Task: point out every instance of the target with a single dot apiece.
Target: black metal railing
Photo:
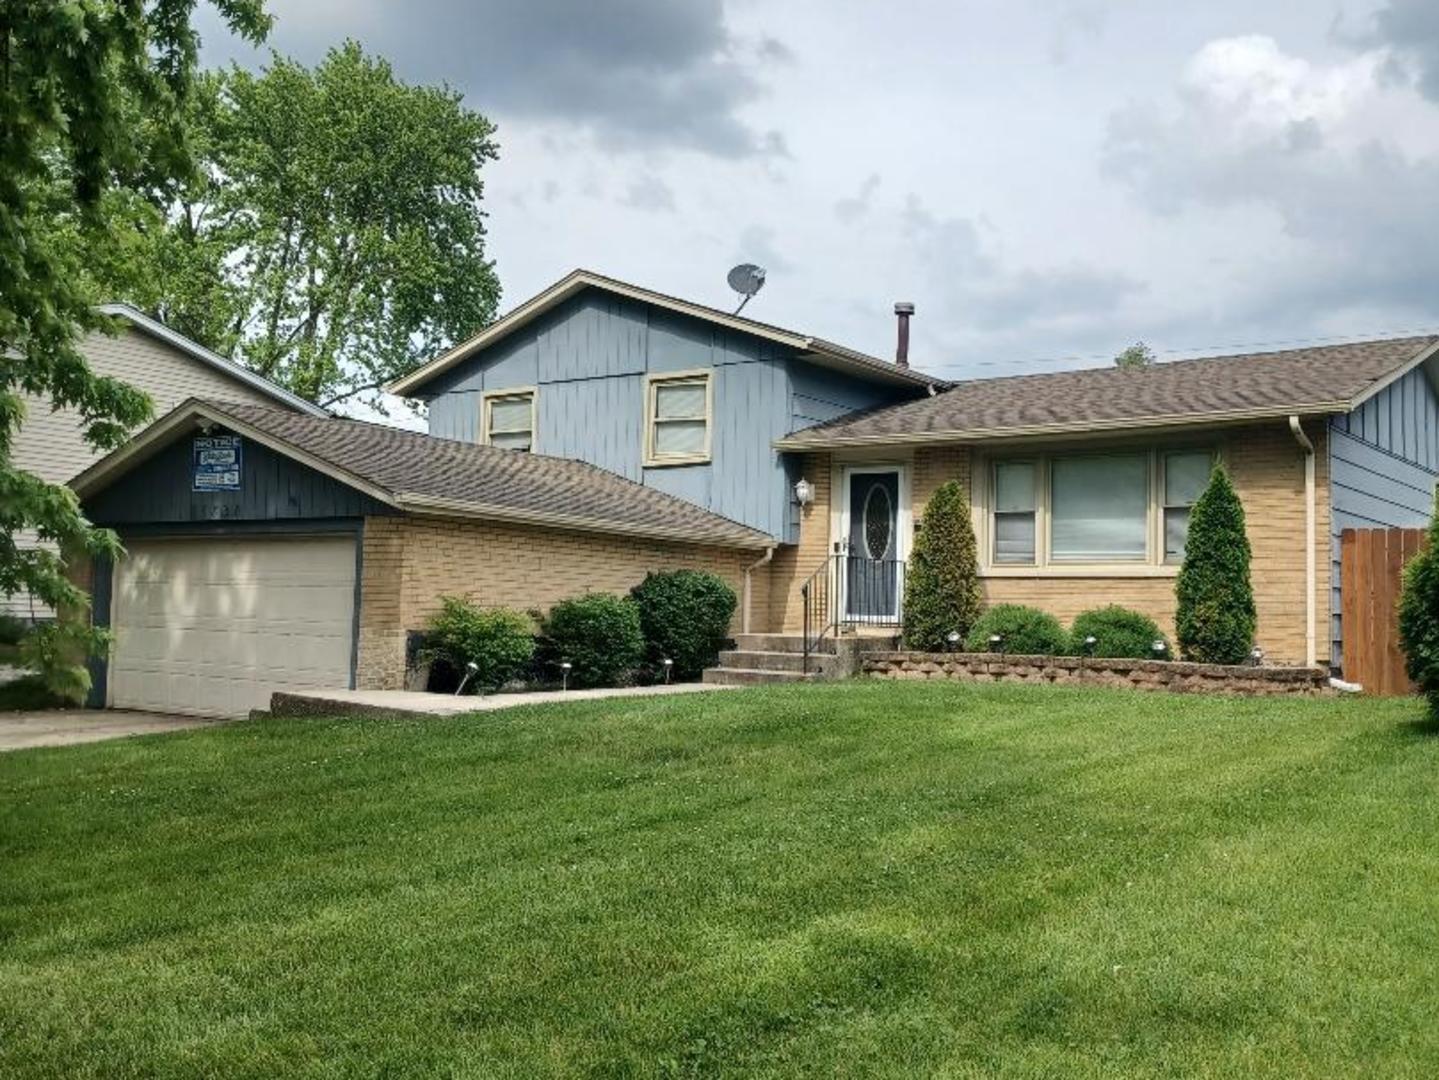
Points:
(847, 591)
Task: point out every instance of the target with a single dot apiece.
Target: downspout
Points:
(748, 570)
(1310, 575)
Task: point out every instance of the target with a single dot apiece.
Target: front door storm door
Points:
(872, 566)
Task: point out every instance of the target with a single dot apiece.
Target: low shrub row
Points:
(1112, 632)
(599, 639)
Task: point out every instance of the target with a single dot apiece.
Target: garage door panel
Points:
(214, 627)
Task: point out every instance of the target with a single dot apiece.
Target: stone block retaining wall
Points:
(1174, 676)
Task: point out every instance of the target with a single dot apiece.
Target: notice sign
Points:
(217, 463)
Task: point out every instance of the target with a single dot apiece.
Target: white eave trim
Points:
(196, 351)
(1177, 420)
(1422, 357)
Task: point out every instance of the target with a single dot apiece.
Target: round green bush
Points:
(686, 616)
(598, 635)
(1118, 632)
(1025, 631)
(500, 641)
(1419, 617)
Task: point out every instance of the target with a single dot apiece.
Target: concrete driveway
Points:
(64, 727)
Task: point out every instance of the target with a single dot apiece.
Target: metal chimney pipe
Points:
(903, 310)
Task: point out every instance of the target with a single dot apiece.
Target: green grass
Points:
(854, 879)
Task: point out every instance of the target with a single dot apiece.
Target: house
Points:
(600, 431)
(150, 356)
(325, 542)
(1081, 481)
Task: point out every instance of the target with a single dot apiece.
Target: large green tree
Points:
(334, 238)
(74, 77)
(941, 592)
(1215, 616)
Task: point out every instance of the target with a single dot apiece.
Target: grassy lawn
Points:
(854, 879)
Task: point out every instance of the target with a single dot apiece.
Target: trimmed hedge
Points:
(1215, 619)
(598, 635)
(500, 641)
(1118, 632)
(941, 592)
(685, 616)
(1419, 617)
(1024, 631)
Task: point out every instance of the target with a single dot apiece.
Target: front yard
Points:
(852, 879)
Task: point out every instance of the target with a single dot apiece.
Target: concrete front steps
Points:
(771, 658)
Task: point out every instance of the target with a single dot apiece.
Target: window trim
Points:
(489, 397)
(1152, 565)
(655, 380)
(1163, 505)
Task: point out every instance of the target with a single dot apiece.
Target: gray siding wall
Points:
(272, 488)
(588, 358)
(1384, 464)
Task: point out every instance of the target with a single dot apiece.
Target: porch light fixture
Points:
(471, 670)
(565, 666)
(803, 492)
(669, 666)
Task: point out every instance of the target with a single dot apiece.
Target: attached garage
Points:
(213, 626)
(267, 550)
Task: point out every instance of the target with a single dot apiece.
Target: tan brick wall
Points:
(1268, 472)
(409, 563)
(793, 563)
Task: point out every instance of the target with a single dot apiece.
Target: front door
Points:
(872, 566)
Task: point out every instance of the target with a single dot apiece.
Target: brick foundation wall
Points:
(1267, 468)
(409, 563)
(1075, 670)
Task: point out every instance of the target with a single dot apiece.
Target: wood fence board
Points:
(1371, 569)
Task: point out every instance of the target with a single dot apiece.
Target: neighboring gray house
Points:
(150, 356)
(671, 394)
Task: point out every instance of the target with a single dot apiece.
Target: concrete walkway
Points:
(65, 727)
(332, 702)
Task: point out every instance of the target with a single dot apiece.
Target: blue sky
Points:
(1047, 181)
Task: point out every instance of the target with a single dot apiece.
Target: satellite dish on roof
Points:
(746, 279)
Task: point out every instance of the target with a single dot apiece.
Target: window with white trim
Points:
(1186, 474)
(678, 419)
(509, 419)
(1093, 508)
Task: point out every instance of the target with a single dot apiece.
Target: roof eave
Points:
(1181, 420)
(432, 504)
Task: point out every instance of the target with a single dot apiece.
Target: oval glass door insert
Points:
(878, 524)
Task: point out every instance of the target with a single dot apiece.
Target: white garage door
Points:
(214, 626)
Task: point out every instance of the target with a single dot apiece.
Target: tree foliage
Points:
(74, 77)
(334, 237)
(1419, 616)
(941, 592)
(1134, 358)
(1215, 619)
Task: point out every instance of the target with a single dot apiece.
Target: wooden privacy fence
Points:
(1371, 565)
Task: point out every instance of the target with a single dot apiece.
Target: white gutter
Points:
(761, 561)
(1310, 575)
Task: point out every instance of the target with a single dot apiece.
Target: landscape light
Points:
(471, 670)
(668, 663)
(996, 643)
(1159, 648)
(565, 666)
(953, 638)
(1257, 655)
(1089, 643)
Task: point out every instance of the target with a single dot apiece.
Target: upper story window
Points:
(508, 419)
(1086, 509)
(678, 417)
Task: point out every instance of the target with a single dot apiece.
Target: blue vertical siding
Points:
(1383, 467)
(588, 358)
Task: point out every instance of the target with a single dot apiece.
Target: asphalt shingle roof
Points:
(508, 483)
(1320, 379)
